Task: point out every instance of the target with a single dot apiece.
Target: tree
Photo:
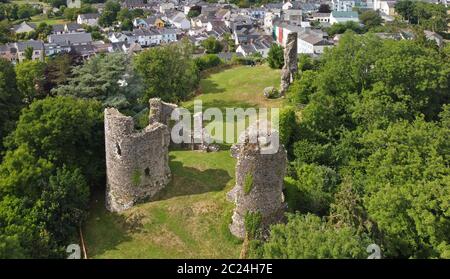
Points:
(276, 57)
(10, 99)
(65, 131)
(340, 28)
(370, 19)
(57, 71)
(324, 8)
(109, 14)
(194, 12)
(309, 237)
(30, 79)
(405, 8)
(407, 188)
(168, 72)
(99, 79)
(212, 45)
(28, 53)
(375, 126)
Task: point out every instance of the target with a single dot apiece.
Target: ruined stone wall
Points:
(160, 111)
(137, 162)
(259, 186)
(290, 66)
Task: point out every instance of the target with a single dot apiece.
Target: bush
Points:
(207, 61)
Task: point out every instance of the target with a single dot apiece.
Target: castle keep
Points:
(259, 184)
(137, 162)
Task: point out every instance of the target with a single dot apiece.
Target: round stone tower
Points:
(259, 183)
(137, 162)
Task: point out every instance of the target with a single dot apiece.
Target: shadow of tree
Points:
(209, 86)
(110, 230)
(190, 181)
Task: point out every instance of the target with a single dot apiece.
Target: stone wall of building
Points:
(259, 185)
(137, 162)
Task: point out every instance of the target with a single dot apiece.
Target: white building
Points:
(343, 5)
(73, 4)
(312, 44)
(180, 21)
(342, 17)
(88, 19)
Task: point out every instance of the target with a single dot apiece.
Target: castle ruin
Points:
(259, 182)
(137, 162)
(290, 66)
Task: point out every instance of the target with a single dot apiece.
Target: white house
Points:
(312, 44)
(88, 19)
(341, 17)
(73, 4)
(179, 20)
(321, 17)
(165, 7)
(343, 5)
(385, 7)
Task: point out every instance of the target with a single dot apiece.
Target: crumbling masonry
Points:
(290, 67)
(259, 185)
(137, 162)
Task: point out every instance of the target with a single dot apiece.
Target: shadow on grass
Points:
(104, 230)
(210, 87)
(191, 181)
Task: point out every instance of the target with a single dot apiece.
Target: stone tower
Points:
(259, 184)
(290, 66)
(137, 162)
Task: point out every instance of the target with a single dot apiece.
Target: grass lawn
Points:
(37, 19)
(190, 218)
(240, 86)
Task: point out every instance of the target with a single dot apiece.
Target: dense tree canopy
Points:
(369, 145)
(107, 78)
(10, 99)
(275, 56)
(168, 72)
(53, 155)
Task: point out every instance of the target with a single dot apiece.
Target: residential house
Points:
(58, 29)
(8, 52)
(386, 8)
(341, 17)
(312, 44)
(37, 46)
(179, 20)
(71, 39)
(259, 45)
(321, 17)
(85, 51)
(88, 19)
(166, 7)
(223, 14)
(54, 48)
(73, 4)
(217, 28)
(293, 16)
(291, 5)
(24, 27)
(73, 27)
(343, 5)
(136, 4)
(169, 35)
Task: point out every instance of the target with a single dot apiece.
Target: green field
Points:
(190, 220)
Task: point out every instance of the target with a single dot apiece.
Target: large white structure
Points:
(343, 5)
(342, 17)
(73, 4)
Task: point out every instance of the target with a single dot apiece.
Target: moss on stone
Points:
(248, 183)
(136, 177)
